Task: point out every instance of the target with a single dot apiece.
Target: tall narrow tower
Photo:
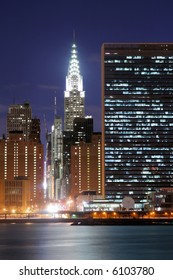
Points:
(73, 95)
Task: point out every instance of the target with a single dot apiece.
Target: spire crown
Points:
(74, 70)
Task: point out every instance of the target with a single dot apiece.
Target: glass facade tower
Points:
(137, 119)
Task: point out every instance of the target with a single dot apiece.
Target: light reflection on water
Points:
(62, 241)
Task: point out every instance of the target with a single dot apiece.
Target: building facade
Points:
(86, 166)
(57, 159)
(83, 129)
(137, 119)
(74, 95)
(15, 195)
(21, 158)
(48, 176)
(34, 134)
(19, 119)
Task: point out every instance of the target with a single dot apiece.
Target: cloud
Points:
(14, 86)
(49, 87)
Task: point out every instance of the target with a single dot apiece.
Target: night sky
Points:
(35, 43)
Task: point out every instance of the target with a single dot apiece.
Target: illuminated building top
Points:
(74, 80)
(74, 94)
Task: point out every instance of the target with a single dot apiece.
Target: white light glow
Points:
(52, 208)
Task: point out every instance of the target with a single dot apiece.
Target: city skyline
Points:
(37, 40)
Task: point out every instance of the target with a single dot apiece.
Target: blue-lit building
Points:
(137, 119)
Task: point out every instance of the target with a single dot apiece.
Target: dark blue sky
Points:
(36, 38)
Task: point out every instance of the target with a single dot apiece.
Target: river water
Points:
(52, 241)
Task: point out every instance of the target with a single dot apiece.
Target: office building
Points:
(56, 159)
(82, 132)
(137, 119)
(23, 159)
(48, 176)
(19, 119)
(83, 129)
(68, 141)
(86, 166)
(74, 95)
(34, 134)
(15, 195)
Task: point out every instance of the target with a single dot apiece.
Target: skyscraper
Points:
(74, 95)
(137, 119)
(19, 119)
(22, 154)
(35, 130)
(86, 166)
(74, 99)
(21, 159)
(83, 129)
(57, 158)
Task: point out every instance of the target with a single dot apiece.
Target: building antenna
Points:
(74, 36)
(55, 107)
(14, 100)
(45, 126)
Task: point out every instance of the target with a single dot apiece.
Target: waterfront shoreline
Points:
(93, 222)
(123, 221)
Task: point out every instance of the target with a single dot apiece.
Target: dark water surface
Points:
(51, 241)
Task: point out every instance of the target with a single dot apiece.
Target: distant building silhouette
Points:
(19, 119)
(83, 129)
(34, 134)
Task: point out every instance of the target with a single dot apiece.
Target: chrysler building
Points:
(73, 95)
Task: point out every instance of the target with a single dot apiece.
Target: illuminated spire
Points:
(73, 95)
(74, 76)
